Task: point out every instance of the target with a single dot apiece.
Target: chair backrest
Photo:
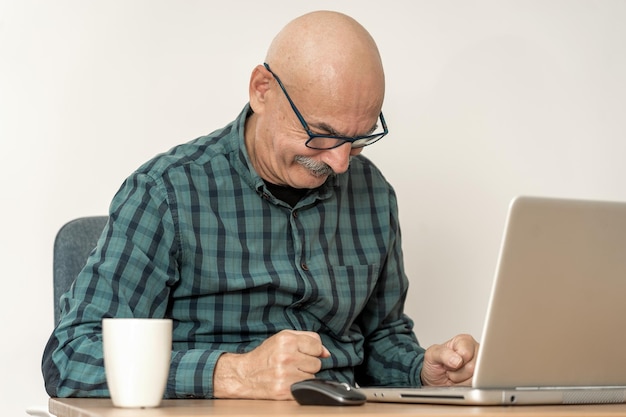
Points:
(72, 246)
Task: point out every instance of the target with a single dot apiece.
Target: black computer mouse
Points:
(323, 392)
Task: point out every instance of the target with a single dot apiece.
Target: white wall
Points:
(485, 100)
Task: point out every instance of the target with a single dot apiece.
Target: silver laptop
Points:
(555, 331)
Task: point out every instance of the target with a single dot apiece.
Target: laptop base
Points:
(499, 396)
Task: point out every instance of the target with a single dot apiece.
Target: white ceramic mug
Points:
(137, 355)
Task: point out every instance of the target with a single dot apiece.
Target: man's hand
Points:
(451, 363)
(268, 371)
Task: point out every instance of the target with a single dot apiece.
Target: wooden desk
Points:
(80, 407)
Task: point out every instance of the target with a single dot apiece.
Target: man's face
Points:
(284, 159)
(298, 166)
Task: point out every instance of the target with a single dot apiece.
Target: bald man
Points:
(272, 243)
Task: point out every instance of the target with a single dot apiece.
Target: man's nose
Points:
(338, 158)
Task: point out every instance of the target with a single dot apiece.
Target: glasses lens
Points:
(359, 143)
(323, 142)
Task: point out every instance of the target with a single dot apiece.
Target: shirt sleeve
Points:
(393, 356)
(131, 273)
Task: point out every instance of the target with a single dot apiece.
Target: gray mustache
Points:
(319, 169)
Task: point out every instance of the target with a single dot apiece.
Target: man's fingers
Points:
(463, 375)
(311, 344)
(451, 363)
(461, 350)
(446, 357)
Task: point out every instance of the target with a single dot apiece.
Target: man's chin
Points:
(311, 181)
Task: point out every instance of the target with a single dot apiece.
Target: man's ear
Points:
(259, 85)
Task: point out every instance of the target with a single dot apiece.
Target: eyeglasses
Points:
(324, 142)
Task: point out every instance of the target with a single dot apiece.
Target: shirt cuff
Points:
(191, 373)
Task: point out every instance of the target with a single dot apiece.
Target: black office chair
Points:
(72, 246)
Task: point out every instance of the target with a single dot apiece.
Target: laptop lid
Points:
(557, 310)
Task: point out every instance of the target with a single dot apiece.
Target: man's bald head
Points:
(329, 50)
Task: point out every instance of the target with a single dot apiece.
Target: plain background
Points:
(485, 100)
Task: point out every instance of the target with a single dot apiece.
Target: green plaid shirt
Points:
(195, 235)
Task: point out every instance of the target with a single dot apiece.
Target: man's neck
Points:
(289, 195)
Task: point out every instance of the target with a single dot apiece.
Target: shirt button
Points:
(304, 266)
(294, 214)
